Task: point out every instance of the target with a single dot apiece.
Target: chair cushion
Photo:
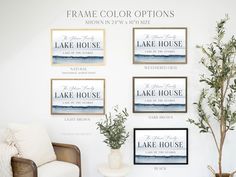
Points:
(58, 169)
(32, 142)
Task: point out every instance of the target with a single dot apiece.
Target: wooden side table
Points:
(107, 172)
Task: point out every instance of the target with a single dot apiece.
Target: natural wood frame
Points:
(79, 64)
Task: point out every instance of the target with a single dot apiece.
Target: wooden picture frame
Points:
(160, 146)
(77, 96)
(159, 94)
(160, 45)
(71, 47)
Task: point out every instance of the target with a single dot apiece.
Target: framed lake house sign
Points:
(77, 96)
(163, 146)
(78, 46)
(160, 45)
(159, 94)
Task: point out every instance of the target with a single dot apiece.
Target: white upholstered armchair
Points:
(36, 156)
(67, 164)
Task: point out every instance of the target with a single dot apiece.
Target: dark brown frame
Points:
(159, 129)
(186, 93)
(104, 99)
(174, 28)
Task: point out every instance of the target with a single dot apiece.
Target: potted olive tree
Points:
(216, 104)
(113, 128)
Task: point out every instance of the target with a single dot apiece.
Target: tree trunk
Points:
(220, 162)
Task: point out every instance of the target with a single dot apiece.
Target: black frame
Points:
(134, 136)
(186, 93)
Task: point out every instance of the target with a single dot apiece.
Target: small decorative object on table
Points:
(217, 102)
(113, 129)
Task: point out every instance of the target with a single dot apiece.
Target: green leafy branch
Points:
(217, 100)
(114, 129)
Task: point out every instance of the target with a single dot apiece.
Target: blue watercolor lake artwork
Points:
(160, 58)
(160, 159)
(160, 107)
(77, 109)
(77, 60)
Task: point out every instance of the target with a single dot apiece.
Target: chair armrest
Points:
(23, 167)
(68, 153)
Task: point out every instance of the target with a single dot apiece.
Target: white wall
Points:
(25, 73)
